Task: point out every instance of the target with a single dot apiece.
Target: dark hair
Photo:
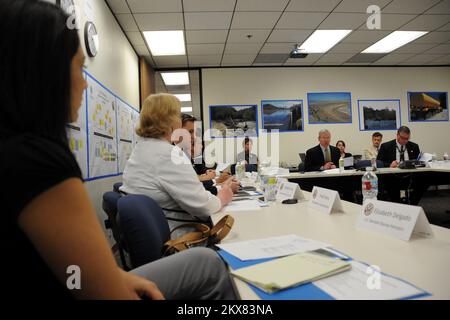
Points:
(377, 134)
(343, 143)
(185, 118)
(36, 51)
(403, 129)
(247, 140)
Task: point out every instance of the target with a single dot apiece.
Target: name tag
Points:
(289, 190)
(325, 200)
(397, 220)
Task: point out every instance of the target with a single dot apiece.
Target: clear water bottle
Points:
(446, 157)
(240, 171)
(341, 164)
(369, 185)
(270, 190)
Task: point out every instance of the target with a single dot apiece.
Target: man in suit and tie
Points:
(398, 150)
(323, 156)
(392, 153)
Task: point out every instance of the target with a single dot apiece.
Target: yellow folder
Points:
(291, 271)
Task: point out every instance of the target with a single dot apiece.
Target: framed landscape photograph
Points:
(282, 115)
(427, 106)
(329, 107)
(378, 115)
(233, 120)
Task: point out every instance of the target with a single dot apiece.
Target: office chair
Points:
(117, 186)
(109, 205)
(248, 168)
(144, 228)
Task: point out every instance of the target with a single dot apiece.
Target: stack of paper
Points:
(243, 205)
(291, 271)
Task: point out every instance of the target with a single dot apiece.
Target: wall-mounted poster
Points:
(329, 107)
(282, 115)
(427, 106)
(233, 120)
(377, 115)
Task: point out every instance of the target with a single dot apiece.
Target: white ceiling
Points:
(216, 31)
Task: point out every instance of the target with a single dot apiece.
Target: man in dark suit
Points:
(392, 153)
(324, 156)
(398, 150)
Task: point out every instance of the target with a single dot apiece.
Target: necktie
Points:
(402, 154)
(327, 156)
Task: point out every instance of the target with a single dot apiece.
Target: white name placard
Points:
(394, 219)
(325, 200)
(289, 190)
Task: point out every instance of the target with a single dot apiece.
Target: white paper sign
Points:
(289, 190)
(325, 200)
(397, 220)
(349, 162)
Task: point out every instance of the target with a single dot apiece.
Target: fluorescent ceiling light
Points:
(175, 78)
(394, 41)
(183, 97)
(165, 43)
(186, 109)
(323, 40)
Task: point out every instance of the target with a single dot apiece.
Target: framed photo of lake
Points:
(230, 121)
(379, 115)
(282, 115)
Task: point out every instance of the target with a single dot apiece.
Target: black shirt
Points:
(30, 165)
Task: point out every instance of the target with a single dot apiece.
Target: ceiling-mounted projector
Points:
(297, 53)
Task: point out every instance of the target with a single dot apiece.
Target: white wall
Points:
(116, 66)
(250, 86)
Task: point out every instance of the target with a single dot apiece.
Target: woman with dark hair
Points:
(341, 146)
(51, 227)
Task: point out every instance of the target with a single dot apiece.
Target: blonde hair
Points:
(159, 112)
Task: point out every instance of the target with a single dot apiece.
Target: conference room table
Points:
(424, 262)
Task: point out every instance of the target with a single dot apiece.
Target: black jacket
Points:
(388, 152)
(315, 159)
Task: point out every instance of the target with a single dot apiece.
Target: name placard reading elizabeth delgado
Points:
(397, 220)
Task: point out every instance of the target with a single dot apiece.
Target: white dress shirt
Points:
(370, 152)
(163, 172)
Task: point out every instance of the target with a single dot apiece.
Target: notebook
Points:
(291, 271)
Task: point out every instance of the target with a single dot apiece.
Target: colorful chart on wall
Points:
(329, 107)
(102, 114)
(125, 122)
(282, 115)
(377, 115)
(77, 137)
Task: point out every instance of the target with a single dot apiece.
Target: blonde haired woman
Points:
(163, 172)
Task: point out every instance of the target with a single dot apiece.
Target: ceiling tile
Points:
(168, 61)
(209, 5)
(394, 58)
(254, 20)
(337, 58)
(415, 48)
(241, 36)
(136, 38)
(434, 37)
(271, 58)
(365, 36)
(205, 60)
(243, 48)
(348, 48)
(229, 59)
(441, 7)
(127, 22)
(118, 6)
(359, 5)
(409, 6)
(392, 21)
(445, 28)
(159, 21)
(207, 20)
(278, 48)
(442, 60)
(345, 21)
(139, 6)
(422, 59)
(440, 49)
(142, 50)
(309, 60)
(312, 5)
(301, 20)
(285, 35)
(205, 49)
(206, 36)
(261, 5)
(427, 23)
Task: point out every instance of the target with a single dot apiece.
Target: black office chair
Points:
(117, 186)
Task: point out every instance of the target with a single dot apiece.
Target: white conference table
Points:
(424, 262)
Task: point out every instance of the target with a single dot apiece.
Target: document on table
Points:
(332, 171)
(271, 247)
(243, 205)
(349, 162)
(291, 271)
(362, 283)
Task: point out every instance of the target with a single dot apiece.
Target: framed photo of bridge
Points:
(282, 115)
(329, 107)
(230, 121)
(379, 115)
(428, 106)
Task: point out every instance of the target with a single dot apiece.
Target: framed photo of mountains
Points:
(282, 115)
